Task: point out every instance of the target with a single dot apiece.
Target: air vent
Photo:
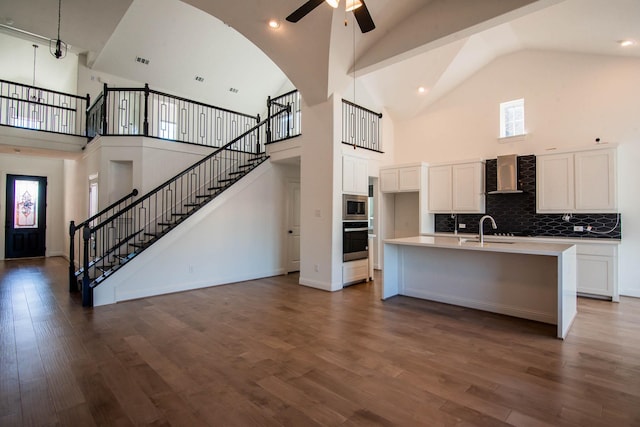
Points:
(233, 90)
(142, 60)
(199, 79)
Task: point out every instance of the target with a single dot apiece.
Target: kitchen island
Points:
(535, 281)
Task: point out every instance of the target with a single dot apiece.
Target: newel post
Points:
(268, 131)
(86, 117)
(105, 96)
(87, 291)
(73, 285)
(145, 125)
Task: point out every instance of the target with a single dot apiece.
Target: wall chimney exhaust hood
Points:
(507, 175)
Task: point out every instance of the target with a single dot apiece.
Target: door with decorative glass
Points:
(26, 216)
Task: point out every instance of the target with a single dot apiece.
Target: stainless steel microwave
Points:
(354, 207)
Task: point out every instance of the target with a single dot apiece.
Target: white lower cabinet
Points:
(597, 270)
(355, 271)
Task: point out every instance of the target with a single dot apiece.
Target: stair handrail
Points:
(73, 228)
(89, 230)
(184, 172)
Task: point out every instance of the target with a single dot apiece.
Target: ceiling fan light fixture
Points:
(333, 3)
(352, 5)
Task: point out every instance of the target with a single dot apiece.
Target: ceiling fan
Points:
(357, 6)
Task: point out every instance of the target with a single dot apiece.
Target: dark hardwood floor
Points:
(270, 352)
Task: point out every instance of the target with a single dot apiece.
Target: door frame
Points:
(3, 210)
(289, 205)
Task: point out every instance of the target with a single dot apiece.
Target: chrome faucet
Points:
(493, 224)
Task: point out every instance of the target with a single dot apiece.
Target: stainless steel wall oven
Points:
(355, 240)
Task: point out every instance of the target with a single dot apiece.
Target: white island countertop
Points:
(469, 243)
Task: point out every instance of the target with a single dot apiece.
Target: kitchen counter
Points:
(540, 239)
(532, 280)
(472, 243)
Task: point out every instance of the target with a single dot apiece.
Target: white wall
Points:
(320, 212)
(51, 73)
(241, 235)
(570, 100)
(153, 162)
(51, 168)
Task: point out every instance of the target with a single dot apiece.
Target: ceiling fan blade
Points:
(364, 18)
(302, 11)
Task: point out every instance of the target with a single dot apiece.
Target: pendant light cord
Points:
(35, 46)
(59, 16)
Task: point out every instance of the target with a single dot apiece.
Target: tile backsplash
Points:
(516, 213)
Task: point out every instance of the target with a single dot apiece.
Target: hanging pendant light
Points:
(352, 5)
(58, 48)
(333, 3)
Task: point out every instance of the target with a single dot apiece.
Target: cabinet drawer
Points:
(354, 271)
(595, 249)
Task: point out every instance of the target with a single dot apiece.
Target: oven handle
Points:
(347, 230)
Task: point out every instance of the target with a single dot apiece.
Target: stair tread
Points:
(202, 196)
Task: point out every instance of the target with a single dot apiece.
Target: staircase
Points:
(119, 233)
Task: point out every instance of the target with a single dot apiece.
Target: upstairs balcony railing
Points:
(31, 107)
(360, 127)
(147, 112)
(288, 125)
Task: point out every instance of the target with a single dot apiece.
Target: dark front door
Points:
(26, 216)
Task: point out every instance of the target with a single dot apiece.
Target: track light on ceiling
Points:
(352, 5)
(58, 48)
(333, 3)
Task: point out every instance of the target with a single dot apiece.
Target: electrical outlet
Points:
(578, 228)
(462, 226)
(316, 268)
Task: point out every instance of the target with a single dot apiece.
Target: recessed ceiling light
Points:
(626, 43)
(274, 24)
(422, 89)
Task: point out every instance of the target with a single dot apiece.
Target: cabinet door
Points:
(361, 177)
(389, 180)
(440, 189)
(595, 275)
(409, 179)
(355, 179)
(348, 174)
(595, 181)
(554, 183)
(468, 188)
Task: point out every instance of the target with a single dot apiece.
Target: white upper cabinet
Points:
(577, 182)
(401, 179)
(554, 183)
(457, 188)
(440, 189)
(355, 177)
(595, 188)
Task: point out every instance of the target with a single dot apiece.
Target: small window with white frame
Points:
(512, 118)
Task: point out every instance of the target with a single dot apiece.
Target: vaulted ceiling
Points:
(436, 44)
